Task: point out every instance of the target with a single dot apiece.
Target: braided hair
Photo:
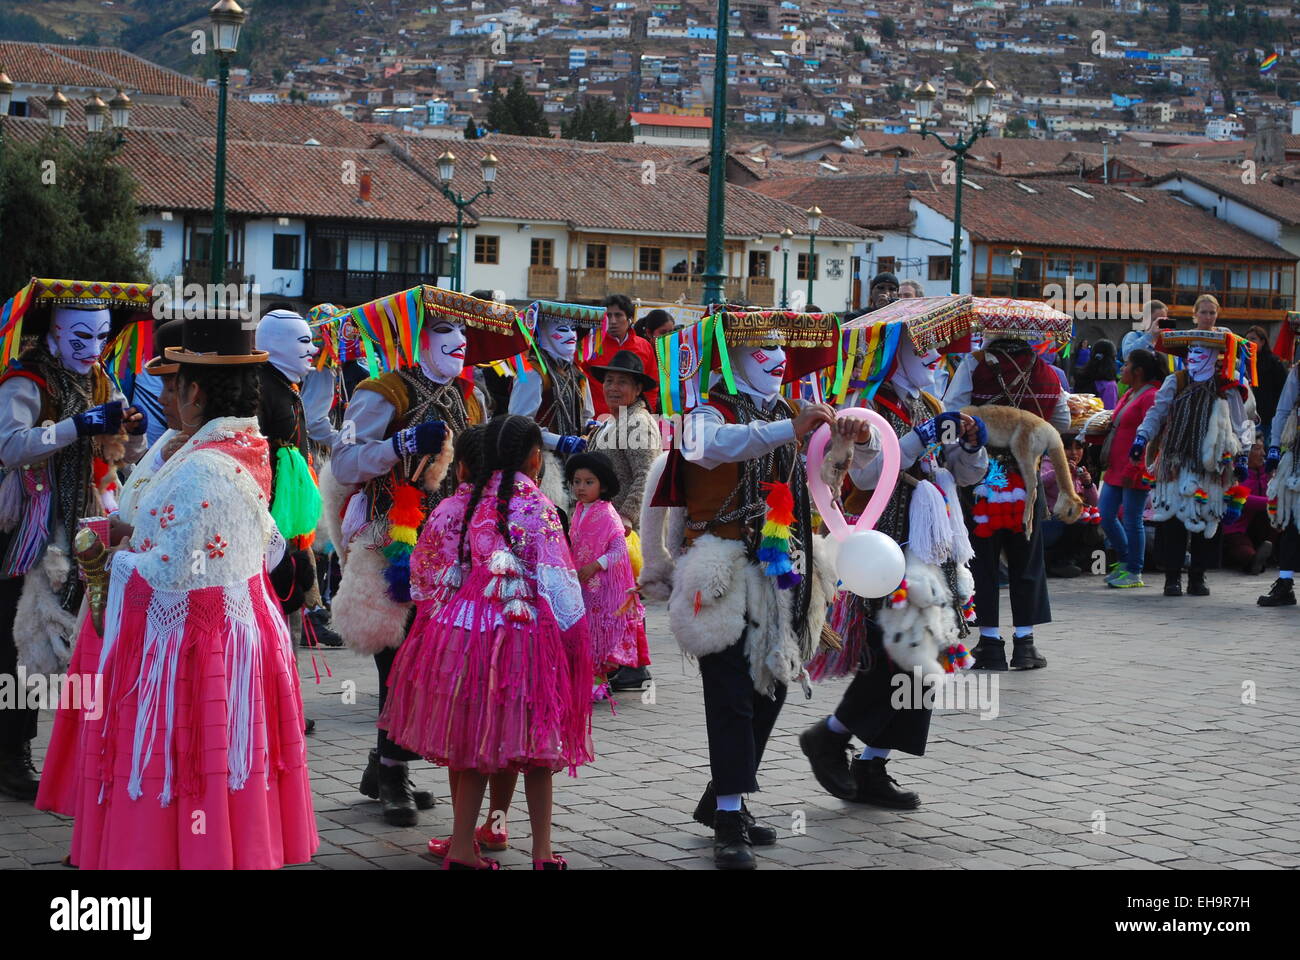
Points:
(507, 442)
(230, 391)
(467, 451)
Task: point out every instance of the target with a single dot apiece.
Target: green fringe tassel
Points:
(295, 501)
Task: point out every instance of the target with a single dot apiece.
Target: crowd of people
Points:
(474, 513)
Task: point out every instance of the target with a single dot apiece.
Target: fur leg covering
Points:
(362, 612)
(44, 632)
(707, 608)
(334, 496)
(919, 628)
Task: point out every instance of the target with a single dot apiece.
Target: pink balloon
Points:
(822, 495)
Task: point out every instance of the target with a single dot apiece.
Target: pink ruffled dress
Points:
(495, 673)
(615, 616)
(192, 756)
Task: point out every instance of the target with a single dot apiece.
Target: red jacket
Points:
(1119, 471)
(643, 349)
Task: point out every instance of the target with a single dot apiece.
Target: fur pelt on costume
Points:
(1285, 485)
(918, 629)
(361, 611)
(334, 496)
(718, 595)
(663, 530)
(1196, 496)
(1028, 437)
(44, 632)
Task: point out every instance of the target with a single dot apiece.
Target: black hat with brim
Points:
(600, 465)
(169, 334)
(625, 361)
(216, 341)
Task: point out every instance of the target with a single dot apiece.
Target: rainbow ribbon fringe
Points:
(774, 548)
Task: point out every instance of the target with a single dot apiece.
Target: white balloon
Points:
(870, 564)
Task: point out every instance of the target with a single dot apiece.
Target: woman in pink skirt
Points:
(193, 757)
(495, 676)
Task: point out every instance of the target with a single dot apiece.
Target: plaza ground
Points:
(1163, 734)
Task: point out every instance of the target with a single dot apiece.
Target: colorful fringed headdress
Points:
(27, 313)
(326, 321)
(1238, 354)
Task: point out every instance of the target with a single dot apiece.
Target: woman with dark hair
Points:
(654, 323)
(202, 717)
(1097, 376)
(495, 675)
(1272, 371)
(1123, 486)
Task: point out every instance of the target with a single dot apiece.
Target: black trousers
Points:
(388, 750)
(867, 707)
(1288, 548)
(1029, 602)
(17, 726)
(738, 718)
(1172, 542)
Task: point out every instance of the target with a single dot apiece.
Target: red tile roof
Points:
(876, 202)
(1054, 214)
(671, 120)
(100, 67)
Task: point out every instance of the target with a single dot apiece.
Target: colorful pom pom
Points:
(774, 548)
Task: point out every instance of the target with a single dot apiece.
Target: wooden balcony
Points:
(543, 283)
(351, 287)
(200, 271)
(593, 284)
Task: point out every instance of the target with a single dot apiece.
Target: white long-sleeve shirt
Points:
(526, 400)
(960, 386)
(369, 452)
(1285, 407)
(24, 440)
(1242, 425)
(317, 393)
(709, 440)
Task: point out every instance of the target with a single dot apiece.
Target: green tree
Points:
(1016, 128)
(529, 117)
(83, 224)
(1174, 17)
(888, 28)
(597, 120)
(471, 128)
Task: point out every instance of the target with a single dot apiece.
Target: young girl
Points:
(615, 617)
(495, 678)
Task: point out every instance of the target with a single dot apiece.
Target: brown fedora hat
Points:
(625, 361)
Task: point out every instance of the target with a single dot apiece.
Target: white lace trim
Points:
(164, 631)
(243, 654)
(560, 587)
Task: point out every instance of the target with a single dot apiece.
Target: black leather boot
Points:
(731, 844)
(1281, 594)
(874, 785)
(1174, 584)
(706, 812)
(370, 784)
(18, 774)
(629, 678)
(320, 624)
(828, 755)
(396, 796)
(1025, 656)
(1196, 586)
(990, 654)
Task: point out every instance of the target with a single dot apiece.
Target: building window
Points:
(328, 253)
(596, 256)
(153, 239)
(940, 268)
(802, 272)
(403, 257)
(284, 251)
(649, 260)
(758, 262)
(542, 253)
(487, 249)
(887, 265)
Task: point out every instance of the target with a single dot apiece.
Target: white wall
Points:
(918, 243)
(166, 264)
(510, 273)
(258, 250)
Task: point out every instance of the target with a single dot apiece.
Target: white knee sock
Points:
(872, 753)
(392, 763)
(1285, 574)
(729, 802)
(991, 632)
(1022, 632)
(836, 726)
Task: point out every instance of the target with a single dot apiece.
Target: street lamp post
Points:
(713, 242)
(453, 244)
(978, 107)
(96, 115)
(814, 223)
(6, 95)
(1016, 256)
(119, 109)
(57, 107)
(787, 235)
(446, 171)
(227, 18)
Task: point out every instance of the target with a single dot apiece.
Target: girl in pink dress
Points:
(615, 617)
(495, 678)
(193, 755)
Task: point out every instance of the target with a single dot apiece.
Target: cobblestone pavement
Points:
(1162, 735)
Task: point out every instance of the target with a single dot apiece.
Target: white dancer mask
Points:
(559, 339)
(761, 369)
(1201, 362)
(442, 351)
(78, 337)
(286, 337)
(914, 373)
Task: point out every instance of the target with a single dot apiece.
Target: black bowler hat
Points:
(625, 361)
(880, 278)
(169, 334)
(216, 341)
(600, 465)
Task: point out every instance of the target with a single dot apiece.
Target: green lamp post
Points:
(713, 242)
(787, 236)
(227, 18)
(979, 105)
(446, 171)
(814, 224)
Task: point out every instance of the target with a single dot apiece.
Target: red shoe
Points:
(484, 863)
(555, 863)
(438, 847)
(491, 840)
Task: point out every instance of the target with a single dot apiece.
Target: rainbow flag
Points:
(1268, 63)
(131, 349)
(11, 326)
